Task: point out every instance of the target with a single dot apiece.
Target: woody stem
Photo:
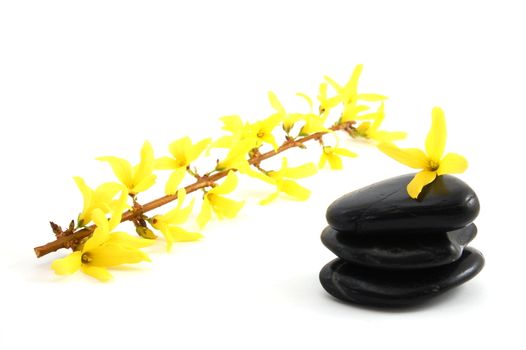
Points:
(202, 182)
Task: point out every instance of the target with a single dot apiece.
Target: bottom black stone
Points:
(369, 286)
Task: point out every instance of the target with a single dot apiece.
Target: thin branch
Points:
(204, 181)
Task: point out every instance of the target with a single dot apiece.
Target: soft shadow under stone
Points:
(391, 288)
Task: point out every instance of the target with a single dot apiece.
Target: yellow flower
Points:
(432, 162)
(261, 131)
(370, 130)
(184, 153)
(236, 127)
(280, 179)
(214, 201)
(350, 97)
(100, 198)
(169, 223)
(327, 103)
(288, 119)
(313, 123)
(332, 156)
(136, 179)
(237, 158)
(102, 250)
(254, 133)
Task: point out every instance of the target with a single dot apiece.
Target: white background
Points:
(84, 79)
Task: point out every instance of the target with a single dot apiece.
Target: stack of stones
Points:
(396, 251)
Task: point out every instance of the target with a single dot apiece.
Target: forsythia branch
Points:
(203, 182)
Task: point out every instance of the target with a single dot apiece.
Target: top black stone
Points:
(446, 204)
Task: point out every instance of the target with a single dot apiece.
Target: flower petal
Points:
(166, 163)
(227, 186)
(323, 160)
(174, 181)
(99, 273)
(294, 190)
(378, 119)
(351, 88)
(68, 264)
(121, 168)
(420, 180)
(144, 169)
(87, 195)
(299, 172)
(180, 149)
(412, 157)
(371, 97)
(225, 207)
(333, 84)
(206, 213)
(270, 139)
(307, 99)
(344, 152)
(436, 138)
(232, 123)
(105, 192)
(388, 136)
(198, 148)
(101, 233)
(117, 210)
(269, 199)
(335, 162)
(144, 184)
(181, 235)
(112, 254)
(452, 163)
(276, 104)
(248, 170)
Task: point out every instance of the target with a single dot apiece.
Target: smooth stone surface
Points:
(409, 251)
(446, 204)
(368, 286)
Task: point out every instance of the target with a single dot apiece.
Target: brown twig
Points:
(202, 182)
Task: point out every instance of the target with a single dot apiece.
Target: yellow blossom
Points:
(100, 198)
(370, 130)
(254, 133)
(102, 250)
(332, 156)
(261, 131)
(169, 223)
(184, 153)
(136, 179)
(313, 123)
(326, 103)
(237, 158)
(350, 97)
(214, 201)
(233, 124)
(432, 162)
(288, 119)
(281, 179)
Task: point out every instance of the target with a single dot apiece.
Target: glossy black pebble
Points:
(364, 285)
(445, 205)
(410, 251)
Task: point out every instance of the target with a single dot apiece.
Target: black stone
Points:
(408, 251)
(363, 285)
(446, 204)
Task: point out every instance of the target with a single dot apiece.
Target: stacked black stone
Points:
(396, 251)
